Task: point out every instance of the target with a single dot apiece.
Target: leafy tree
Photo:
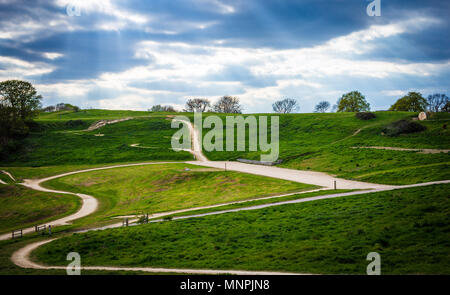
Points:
(413, 102)
(437, 102)
(353, 102)
(197, 104)
(21, 98)
(228, 104)
(285, 106)
(160, 108)
(19, 103)
(446, 108)
(322, 107)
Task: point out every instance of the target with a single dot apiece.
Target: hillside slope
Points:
(321, 142)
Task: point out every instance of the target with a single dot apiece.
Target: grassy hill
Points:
(328, 236)
(320, 142)
(161, 188)
(324, 142)
(21, 207)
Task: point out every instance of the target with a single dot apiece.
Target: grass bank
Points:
(408, 228)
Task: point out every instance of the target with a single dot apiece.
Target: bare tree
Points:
(197, 105)
(436, 102)
(285, 106)
(228, 104)
(322, 107)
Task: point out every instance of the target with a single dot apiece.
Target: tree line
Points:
(352, 101)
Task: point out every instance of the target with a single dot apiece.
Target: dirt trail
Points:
(309, 199)
(421, 151)
(9, 174)
(22, 256)
(89, 203)
(196, 149)
(101, 123)
(22, 259)
(309, 177)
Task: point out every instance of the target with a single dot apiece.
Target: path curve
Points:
(21, 257)
(89, 203)
(9, 174)
(309, 177)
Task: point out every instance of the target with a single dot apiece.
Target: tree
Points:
(19, 103)
(436, 102)
(446, 108)
(322, 107)
(21, 98)
(413, 102)
(285, 106)
(353, 102)
(197, 105)
(160, 108)
(228, 104)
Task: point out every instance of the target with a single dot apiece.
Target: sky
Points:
(129, 54)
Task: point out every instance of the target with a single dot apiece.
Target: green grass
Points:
(167, 187)
(55, 143)
(258, 202)
(21, 207)
(93, 114)
(7, 267)
(322, 142)
(408, 228)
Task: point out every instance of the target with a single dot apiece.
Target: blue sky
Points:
(129, 54)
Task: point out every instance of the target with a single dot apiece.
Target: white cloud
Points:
(65, 90)
(13, 68)
(52, 55)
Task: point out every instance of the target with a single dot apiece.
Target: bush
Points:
(365, 115)
(403, 127)
(74, 123)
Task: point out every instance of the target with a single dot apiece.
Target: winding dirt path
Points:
(22, 256)
(309, 177)
(9, 174)
(89, 203)
(22, 259)
(421, 151)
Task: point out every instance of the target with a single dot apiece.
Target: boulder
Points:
(422, 116)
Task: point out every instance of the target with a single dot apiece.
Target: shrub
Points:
(74, 123)
(365, 115)
(403, 127)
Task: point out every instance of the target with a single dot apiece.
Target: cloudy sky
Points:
(129, 54)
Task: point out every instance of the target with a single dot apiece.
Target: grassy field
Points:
(257, 202)
(57, 142)
(323, 142)
(22, 207)
(408, 228)
(320, 142)
(93, 114)
(167, 187)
